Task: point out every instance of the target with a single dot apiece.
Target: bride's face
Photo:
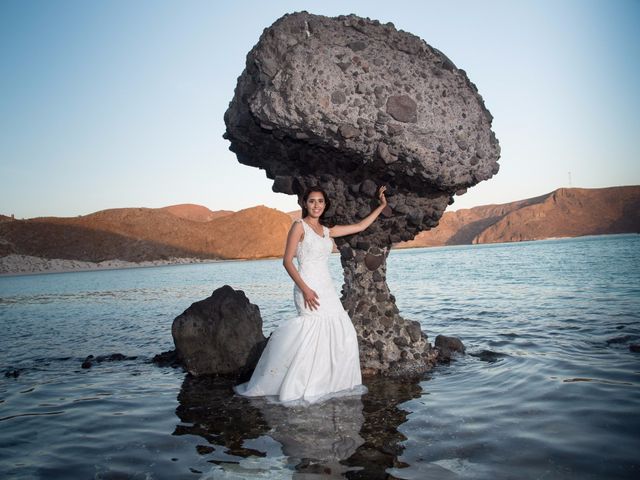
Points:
(315, 204)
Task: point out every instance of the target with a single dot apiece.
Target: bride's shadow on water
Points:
(349, 437)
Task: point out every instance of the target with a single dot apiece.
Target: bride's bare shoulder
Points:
(297, 228)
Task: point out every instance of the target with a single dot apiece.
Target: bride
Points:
(314, 356)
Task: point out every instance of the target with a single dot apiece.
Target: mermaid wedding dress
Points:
(314, 356)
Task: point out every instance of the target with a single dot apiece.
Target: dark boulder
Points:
(220, 335)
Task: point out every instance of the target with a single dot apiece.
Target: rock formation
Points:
(348, 104)
(220, 335)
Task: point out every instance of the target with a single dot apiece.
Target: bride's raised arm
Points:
(342, 230)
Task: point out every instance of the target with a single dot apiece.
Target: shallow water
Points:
(548, 388)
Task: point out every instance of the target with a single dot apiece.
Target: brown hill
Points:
(197, 213)
(255, 232)
(137, 234)
(566, 212)
(570, 212)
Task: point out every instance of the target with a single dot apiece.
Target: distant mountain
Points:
(295, 214)
(566, 212)
(139, 234)
(186, 231)
(197, 213)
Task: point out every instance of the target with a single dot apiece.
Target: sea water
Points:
(548, 388)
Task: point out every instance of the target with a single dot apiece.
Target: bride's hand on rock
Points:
(310, 299)
(381, 197)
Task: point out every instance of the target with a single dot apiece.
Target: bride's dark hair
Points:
(327, 203)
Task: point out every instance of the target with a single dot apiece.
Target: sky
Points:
(113, 103)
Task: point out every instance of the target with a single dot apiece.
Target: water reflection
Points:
(383, 415)
(349, 437)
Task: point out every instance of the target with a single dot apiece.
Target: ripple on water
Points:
(548, 389)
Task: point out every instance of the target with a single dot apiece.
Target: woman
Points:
(313, 356)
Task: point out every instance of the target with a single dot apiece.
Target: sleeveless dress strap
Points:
(304, 226)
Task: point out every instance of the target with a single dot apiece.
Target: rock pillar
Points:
(350, 103)
(389, 344)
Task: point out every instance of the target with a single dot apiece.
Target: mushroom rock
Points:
(349, 103)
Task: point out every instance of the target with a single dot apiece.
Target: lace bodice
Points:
(313, 264)
(313, 247)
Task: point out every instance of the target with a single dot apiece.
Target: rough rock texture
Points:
(349, 103)
(221, 335)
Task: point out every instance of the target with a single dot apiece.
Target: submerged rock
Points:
(12, 372)
(167, 359)
(348, 103)
(112, 357)
(620, 339)
(448, 346)
(488, 355)
(220, 335)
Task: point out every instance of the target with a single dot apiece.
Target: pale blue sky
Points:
(107, 104)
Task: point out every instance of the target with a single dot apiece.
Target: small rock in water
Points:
(621, 339)
(15, 373)
(447, 346)
(88, 362)
(113, 357)
(634, 347)
(488, 355)
(167, 359)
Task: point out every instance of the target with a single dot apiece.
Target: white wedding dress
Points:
(314, 356)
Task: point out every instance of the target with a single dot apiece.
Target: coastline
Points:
(18, 265)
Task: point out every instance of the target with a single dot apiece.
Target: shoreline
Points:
(19, 265)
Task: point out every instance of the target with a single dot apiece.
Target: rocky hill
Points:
(142, 234)
(192, 231)
(566, 212)
(197, 213)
